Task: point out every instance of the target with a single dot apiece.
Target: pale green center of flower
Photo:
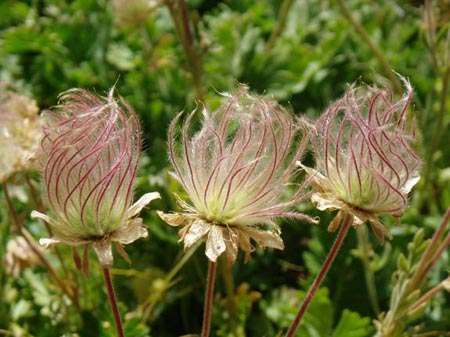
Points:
(95, 222)
(355, 191)
(214, 210)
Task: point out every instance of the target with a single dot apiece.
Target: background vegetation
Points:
(164, 58)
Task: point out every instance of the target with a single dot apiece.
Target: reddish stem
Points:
(429, 294)
(208, 298)
(432, 252)
(322, 273)
(113, 301)
(15, 223)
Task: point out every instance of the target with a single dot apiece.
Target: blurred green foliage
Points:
(304, 53)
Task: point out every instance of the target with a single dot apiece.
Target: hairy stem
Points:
(113, 301)
(322, 273)
(208, 298)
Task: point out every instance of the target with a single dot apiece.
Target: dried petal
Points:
(175, 219)
(266, 238)
(133, 230)
(143, 201)
(103, 250)
(197, 230)
(46, 242)
(215, 245)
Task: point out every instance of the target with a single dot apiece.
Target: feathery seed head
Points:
(90, 153)
(235, 170)
(365, 163)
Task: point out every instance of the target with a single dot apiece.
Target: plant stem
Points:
(40, 207)
(227, 277)
(279, 24)
(63, 285)
(113, 301)
(368, 270)
(431, 254)
(430, 293)
(15, 228)
(34, 195)
(433, 334)
(423, 272)
(436, 137)
(153, 299)
(180, 16)
(441, 67)
(375, 50)
(322, 273)
(208, 298)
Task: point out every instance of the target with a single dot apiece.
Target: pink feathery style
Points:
(365, 163)
(89, 154)
(235, 170)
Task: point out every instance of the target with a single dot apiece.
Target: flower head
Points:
(19, 256)
(90, 153)
(20, 132)
(235, 170)
(365, 164)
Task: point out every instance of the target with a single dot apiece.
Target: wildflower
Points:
(19, 256)
(235, 170)
(365, 164)
(20, 132)
(90, 154)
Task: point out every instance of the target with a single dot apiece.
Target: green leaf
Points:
(20, 309)
(317, 321)
(352, 324)
(121, 56)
